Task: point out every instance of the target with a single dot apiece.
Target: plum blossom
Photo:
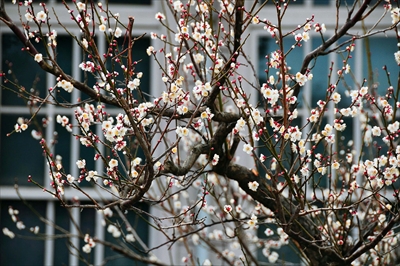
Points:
(227, 208)
(394, 13)
(117, 32)
(102, 28)
(66, 85)
(113, 163)
(215, 159)
(112, 229)
(81, 6)
(182, 131)
(8, 233)
(397, 57)
(376, 131)
(160, 16)
(29, 17)
(38, 57)
(253, 185)
(130, 238)
(301, 79)
(41, 16)
(273, 257)
(81, 164)
(247, 148)
(252, 222)
(134, 84)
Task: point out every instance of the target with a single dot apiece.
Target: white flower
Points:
(8, 233)
(20, 225)
(253, 185)
(133, 84)
(336, 97)
(113, 163)
(149, 50)
(363, 91)
(160, 16)
(85, 43)
(81, 163)
(81, 6)
(112, 229)
(255, 20)
(215, 159)
(253, 221)
(38, 57)
(102, 28)
(130, 238)
(273, 257)
(29, 17)
(268, 232)
(301, 79)
(376, 131)
(70, 178)
(397, 57)
(41, 16)
(228, 208)
(182, 131)
(118, 32)
(395, 15)
(247, 148)
(207, 262)
(87, 248)
(347, 69)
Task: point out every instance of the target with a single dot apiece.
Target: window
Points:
(20, 156)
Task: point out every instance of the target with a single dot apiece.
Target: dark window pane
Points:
(141, 228)
(320, 71)
(20, 68)
(20, 155)
(380, 58)
(61, 243)
(288, 253)
(322, 2)
(64, 60)
(88, 217)
(63, 145)
(20, 251)
(294, 59)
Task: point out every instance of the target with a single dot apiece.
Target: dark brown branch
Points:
(239, 9)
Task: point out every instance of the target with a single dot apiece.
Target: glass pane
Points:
(320, 71)
(64, 60)
(88, 217)
(347, 82)
(141, 228)
(139, 55)
(288, 253)
(20, 155)
(63, 145)
(61, 243)
(323, 2)
(294, 59)
(380, 58)
(21, 251)
(16, 63)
